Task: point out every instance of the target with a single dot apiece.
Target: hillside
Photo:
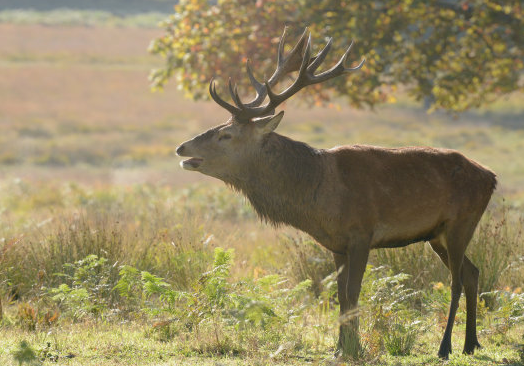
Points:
(122, 7)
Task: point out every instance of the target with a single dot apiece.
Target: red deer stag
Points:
(352, 198)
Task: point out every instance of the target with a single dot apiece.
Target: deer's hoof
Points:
(469, 349)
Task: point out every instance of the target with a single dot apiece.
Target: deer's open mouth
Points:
(192, 164)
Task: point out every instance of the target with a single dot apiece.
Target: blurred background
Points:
(120, 7)
(77, 103)
(95, 96)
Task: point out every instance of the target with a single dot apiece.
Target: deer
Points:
(350, 199)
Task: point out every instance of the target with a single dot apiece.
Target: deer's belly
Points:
(399, 234)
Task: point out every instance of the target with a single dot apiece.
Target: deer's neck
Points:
(282, 181)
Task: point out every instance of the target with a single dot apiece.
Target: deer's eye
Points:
(225, 136)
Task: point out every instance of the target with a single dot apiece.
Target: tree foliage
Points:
(457, 54)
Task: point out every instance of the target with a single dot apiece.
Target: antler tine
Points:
(342, 61)
(320, 57)
(280, 53)
(234, 95)
(338, 69)
(294, 59)
(259, 87)
(306, 57)
(213, 92)
(272, 96)
(358, 67)
(346, 55)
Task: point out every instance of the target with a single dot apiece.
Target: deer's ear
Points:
(269, 123)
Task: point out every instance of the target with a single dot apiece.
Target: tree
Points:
(458, 54)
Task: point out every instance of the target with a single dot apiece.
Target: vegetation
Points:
(143, 257)
(110, 254)
(114, 6)
(456, 55)
(80, 17)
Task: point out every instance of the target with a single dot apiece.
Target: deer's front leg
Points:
(350, 269)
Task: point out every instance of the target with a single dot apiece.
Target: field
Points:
(111, 254)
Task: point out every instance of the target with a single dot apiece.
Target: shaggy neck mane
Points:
(281, 182)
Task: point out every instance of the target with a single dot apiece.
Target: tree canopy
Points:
(457, 54)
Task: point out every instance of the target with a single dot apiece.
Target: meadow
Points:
(112, 254)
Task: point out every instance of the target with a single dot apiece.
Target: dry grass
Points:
(38, 41)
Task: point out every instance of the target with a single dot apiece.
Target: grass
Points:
(71, 17)
(138, 343)
(168, 236)
(87, 169)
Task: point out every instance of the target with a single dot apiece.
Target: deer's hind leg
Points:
(463, 273)
(470, 279)
(454, 263)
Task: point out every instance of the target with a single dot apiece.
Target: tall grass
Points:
(496, 249)
(308, 260)
(173, 232)
(145, 226)
(149, 253)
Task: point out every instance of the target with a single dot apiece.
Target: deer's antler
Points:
(299, 59)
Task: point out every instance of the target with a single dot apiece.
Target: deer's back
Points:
(412, 190)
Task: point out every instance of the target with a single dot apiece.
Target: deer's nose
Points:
(180, 150)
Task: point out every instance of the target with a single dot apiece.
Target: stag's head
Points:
(221, 151)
